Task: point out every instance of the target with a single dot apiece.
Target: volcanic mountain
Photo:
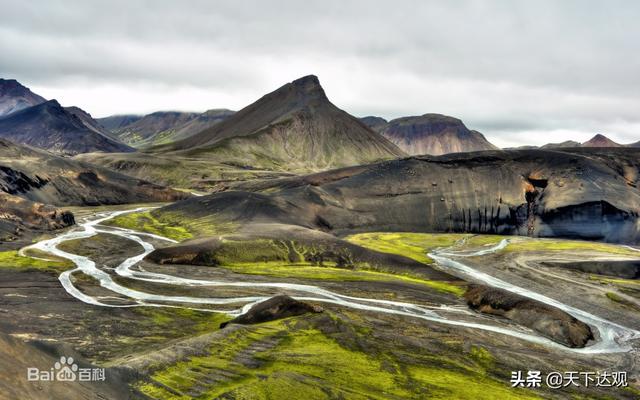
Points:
(294, 128)
(49, 126)
(600, 141)
(15, 97)
(433, 134)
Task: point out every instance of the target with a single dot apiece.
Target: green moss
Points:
(616, 297)
(412, 245)
(306, 363)
(309, 271)
(567, 245)
(11, 259)
(482, 356)
(145, 221)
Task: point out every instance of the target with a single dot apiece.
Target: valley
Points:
(395, 327)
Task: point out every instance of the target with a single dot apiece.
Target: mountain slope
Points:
(434, 134)
(580, 193)
(295, 127)
(49, 126)
(40, 176)
(144, 130)
(375, 123)
(89, 121)
(15, 97)
(600, 141)
(116, 122)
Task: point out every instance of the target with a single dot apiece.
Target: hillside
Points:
(40, 176)
(51, 127)
(15, 97)
(433, 134)
(583, 193)
(144, 131)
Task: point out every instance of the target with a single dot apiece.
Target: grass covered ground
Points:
(310, 271)
(310, 359)
(11, 259)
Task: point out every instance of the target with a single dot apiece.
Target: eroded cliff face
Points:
(588, 193)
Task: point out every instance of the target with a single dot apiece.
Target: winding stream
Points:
(613, 337)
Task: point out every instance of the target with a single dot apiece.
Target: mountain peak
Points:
(14, 97)
(600, 140)
(306, 88)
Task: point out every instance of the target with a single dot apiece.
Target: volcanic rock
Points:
(547, 320)
(277, 307)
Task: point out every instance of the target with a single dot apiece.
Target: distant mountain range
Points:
(295, 128)
(162, 126)
(433, 134)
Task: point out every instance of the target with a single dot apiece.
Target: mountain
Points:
(49, 126)
(89, 122)
(373, 122)
(600, 141)
(15, 97)
(582, 193)
(568, 143)
(203, 121)
(434, 134)
(293, 128)
(147, 129)
(116, 122)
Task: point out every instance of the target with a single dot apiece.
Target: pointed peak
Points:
(600, 140)
(309, 80)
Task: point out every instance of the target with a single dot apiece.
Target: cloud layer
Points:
(519, 71)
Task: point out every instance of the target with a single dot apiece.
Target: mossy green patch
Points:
(284, 359)
(146, 222)
(310, 271)
(412, 245)
(11, 259)
(568, 245)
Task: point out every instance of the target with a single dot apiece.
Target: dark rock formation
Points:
(19, 217)
(277, 307)
(549, 321)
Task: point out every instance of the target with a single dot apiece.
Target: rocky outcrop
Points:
(277, 307)
(549, 321)
(19, 217)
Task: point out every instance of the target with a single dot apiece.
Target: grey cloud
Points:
(509, 66)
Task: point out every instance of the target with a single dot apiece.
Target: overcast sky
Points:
(522, 72)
